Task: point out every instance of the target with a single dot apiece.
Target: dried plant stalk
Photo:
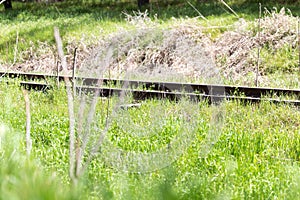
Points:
(27, 108)
(258, 48)
(299, 42)
(90, 116)
(231, 10)
(16, 49)
(70, 105)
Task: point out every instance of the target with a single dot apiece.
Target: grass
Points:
(32, 24)
(255, 154)
(26, 29)
(256, 157)
(285, 60)
(24, 178)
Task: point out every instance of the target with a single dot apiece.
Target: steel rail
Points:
(207, 89)
(138, 94)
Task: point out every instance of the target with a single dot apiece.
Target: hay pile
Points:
(183, 50)
(169, 54)
(236, 51)
(40, 57)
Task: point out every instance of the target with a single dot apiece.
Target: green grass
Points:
(284, 60)
(25, 178)
(256, 156)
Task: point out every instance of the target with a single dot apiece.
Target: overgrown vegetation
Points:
(228, 151)
(27, 41)
(256, 156)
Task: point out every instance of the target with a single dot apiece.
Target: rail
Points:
(170, 90)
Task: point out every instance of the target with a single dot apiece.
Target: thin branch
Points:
(299, 42)
(227, 6)
(2, 2)
(92, 110)
(57, 73)
(202, 16)
(74, 72)
(16, 48)
(70, 104)
(104, 132)
(79, 153)
(91, 115)
(108, 100)
(58, 11)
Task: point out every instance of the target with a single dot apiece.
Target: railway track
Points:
(148, 89)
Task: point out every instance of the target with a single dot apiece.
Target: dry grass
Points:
(179, 52)
(236, 50)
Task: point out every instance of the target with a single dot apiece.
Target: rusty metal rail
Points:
(171, 90)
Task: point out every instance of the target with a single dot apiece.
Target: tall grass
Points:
(256, 157)
(23, 178)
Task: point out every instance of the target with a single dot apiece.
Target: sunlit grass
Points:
(35, 21)
(28, 24)
(256, 156)
(24, 178)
